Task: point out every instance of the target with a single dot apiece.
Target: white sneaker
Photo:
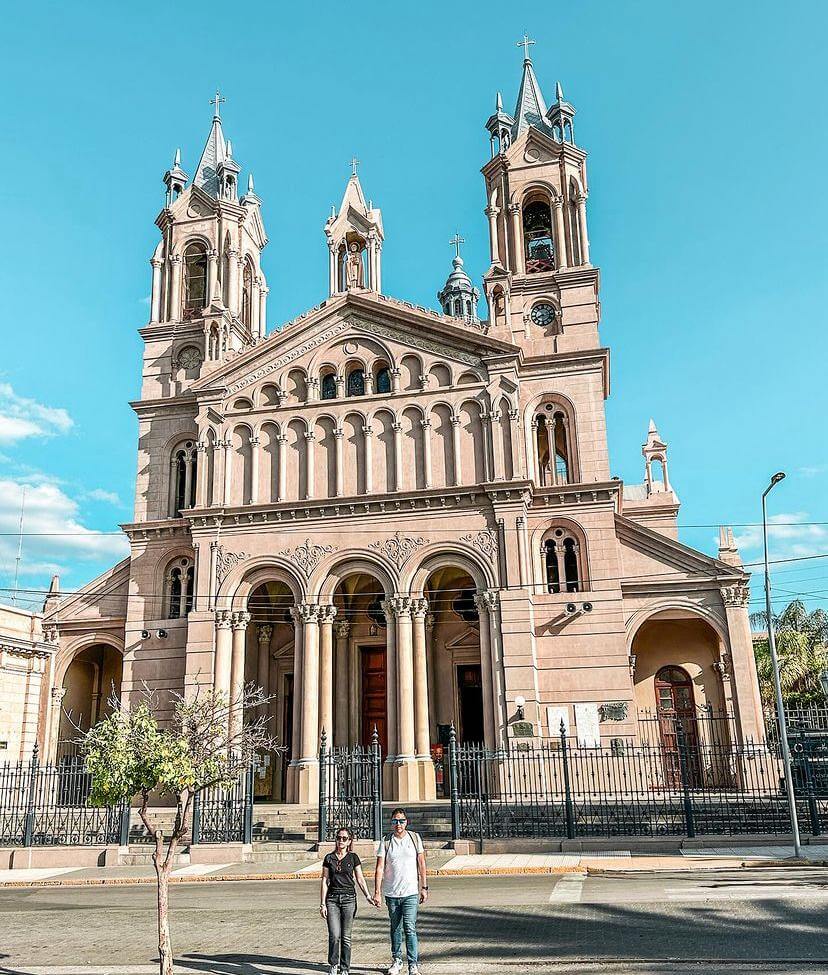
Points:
(413, 970)
(334, 970)
(395, 967)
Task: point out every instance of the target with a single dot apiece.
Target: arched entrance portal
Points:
(91, 682)
(268, 664)
(360, 666)
(454, 664)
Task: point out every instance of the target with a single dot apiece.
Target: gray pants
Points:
(341, 911)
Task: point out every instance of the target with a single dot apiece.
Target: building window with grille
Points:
(562, 560)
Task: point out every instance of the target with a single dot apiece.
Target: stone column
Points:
(457, 473)
(212, 276)
(518, 464)
(517, 234)
(264, 634)
(426, 425)
(239, 625)
(228, 470)
(224, 650)
(560, 234)
(313, 389)
(391, 678)
(263, 293)
(486, 424)
(497, 446)
(201, 474)
(494, 250)
(333, 282)
(485, 602)
(395, 380)
(422, 724)
(520, 525)
(326, 684)
(254, 308)
(407, 779)
(296, 717)
(582, 228)
(339, 380)
(233, 281)
(56, 705)
(307, 772)
(368, 433)
(175, 313)
(254, 470)
(310, 439)
(398, 471)
(744, 682)
(212, 585)
(339, 434)
(369, 383)
(341, 726)
(282, 479)
(155, 303)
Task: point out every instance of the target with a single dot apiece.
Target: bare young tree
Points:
(199, 742)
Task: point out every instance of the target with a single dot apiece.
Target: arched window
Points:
(195, 280)
(356, 382)
(183, 471)
(383, 381)
(553, 447)
(327, 389)
(178, 584)
(247, 295)
(562, 555)
(537, 237)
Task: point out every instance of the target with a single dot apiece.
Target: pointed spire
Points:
(177, 159)
(531, 107)
(499, 103)
(558, 92)
(250, 196)
(214, 153)
(250, 187)
(175, 178)
(652, 428)
(229, 149)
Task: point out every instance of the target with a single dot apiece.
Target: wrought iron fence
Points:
(350, 789)
(225, 814)
(684, 787)
(47, 804)
(704, 725)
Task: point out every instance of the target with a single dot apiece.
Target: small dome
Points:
(459, 296)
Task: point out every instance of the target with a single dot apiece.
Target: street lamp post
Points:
(777, 682)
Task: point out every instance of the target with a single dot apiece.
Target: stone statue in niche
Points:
(354, 274)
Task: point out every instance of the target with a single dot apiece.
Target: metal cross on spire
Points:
(456, 241)
(218, 100)
(525, 43)
(354, 165)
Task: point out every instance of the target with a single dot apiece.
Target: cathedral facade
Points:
(393, 517)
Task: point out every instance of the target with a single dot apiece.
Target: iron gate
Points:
(350, 789)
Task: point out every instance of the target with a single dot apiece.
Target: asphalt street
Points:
(757, 920)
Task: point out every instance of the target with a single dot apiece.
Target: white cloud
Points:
(55, 537)
(789, 536)
(99, 494)
(21, 417)
(813, 471)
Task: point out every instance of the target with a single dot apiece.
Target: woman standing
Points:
(338, 899)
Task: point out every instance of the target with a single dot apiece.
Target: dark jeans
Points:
(402, 913)
(341, 911)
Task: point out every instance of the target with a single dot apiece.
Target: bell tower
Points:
(209, 292)
(541, 289)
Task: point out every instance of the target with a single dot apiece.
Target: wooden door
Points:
(677, 707)
(374, 689)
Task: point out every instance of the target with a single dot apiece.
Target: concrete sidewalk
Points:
(441, 863)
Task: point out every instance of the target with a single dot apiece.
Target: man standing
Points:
(401, 877)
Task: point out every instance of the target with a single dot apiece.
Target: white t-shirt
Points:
(399, 876)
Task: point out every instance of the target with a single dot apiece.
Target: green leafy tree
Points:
(132, 754)
(802, 648)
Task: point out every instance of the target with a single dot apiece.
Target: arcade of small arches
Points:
(355, 453)
(361, 656)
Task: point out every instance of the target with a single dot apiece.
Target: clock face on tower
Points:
(543, 314)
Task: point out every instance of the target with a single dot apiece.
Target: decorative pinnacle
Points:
(456, 241)
(525, 43)
(218, 100)
(354, 165)
(499, 103)
(229, 149)
(177, 159)
(250, 188)
(559, 91)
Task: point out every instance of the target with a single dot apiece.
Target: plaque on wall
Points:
(554, 717)
(613, 711)
(523, 729)
(587, 725)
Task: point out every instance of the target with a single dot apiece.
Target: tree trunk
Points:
(165, 951)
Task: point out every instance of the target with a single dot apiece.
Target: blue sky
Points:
(705, 129)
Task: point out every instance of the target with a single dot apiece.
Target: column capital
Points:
(396, 427)
(736, 595)
(487, 600)
(342, 628)
(397, 606)
(514, 415)
(156, 263)
(327, 613)
(425, 424)
(368, 431)
(310, 436)
(305, 613)
(224, 619)
(255, 442)
(557, 203)
(419, 608)
(175, 259)
(339, 433)
(514, 208)
(492, 211)
(264, 632)
(58, 693)
(455, 420)
(240, 620)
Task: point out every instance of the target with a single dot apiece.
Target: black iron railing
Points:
(350, 789)
(47, 804)
(224, 814)
(686, 787)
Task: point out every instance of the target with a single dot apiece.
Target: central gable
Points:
(401, 329)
